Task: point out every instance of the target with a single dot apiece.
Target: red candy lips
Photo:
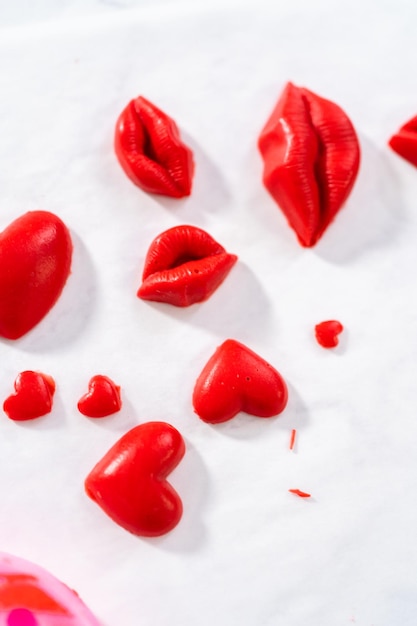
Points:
(150, 151)
(404, 142)
(236, 379)
(35, 261)
(311, 159)
(184, 265)
(129, 483)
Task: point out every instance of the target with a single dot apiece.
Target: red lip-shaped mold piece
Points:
(150, 150)
(35, 261)
(184, 265)
(33, 396)
(404, 142)
(129, 483)
(311, 159)
(237, 379)
(101, 399)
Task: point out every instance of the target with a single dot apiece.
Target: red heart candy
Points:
(236, 379)
(327, 333)
(33, 396)
(35, 261)
(129, 483)
(102, 398)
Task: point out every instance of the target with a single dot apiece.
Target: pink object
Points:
(30, 596)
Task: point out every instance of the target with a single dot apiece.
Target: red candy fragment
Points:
(404, 142)
(292, 439)
(300, 494)
(101, 399)
(129, 483)
(150, 151)
(35, 261)
(236, 379)
(184, 265)
(32, 398)
(327, 333)
(311, 159)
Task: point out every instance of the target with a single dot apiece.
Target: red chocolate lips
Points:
(311, 159)
(149, 149)
(184, 265)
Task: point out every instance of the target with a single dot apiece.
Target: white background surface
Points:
(246, 553)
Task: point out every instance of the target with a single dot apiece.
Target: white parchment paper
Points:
(247, 552)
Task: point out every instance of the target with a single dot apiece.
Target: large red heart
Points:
(101, 399)
(236, 379)
(35, 261)
(129, 483)
(33, 396)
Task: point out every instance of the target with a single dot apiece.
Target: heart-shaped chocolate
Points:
(237, 379)
(33, 396)
(101, 399)
(129, 483)
(327, 333)
(35, 261)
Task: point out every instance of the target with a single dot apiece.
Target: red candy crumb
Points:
(300, 494)
(327, 333)
(101, 399)
(292, 440)
(32, 398)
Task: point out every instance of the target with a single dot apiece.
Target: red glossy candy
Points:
(237, 379)
(129, 483)
(327, 333)
(184, 265)
(101, 399)
(32, 398)
(35, 261)
(311, 159)
(149, 149)
(404, 142)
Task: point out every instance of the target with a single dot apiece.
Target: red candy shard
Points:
(184, 265)
(327, 333)
(129, 483)
(101, 399)
(32, 398)
(292, 439)
(404, 142)
(236, 379)
(311, 159)
(300, 494)
(35, 261)
(149, 149)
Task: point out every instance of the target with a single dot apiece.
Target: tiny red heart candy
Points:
(327, 333)
(237, 379)
(129, 483)
(33, 396)
(101, 399)
(35, 261)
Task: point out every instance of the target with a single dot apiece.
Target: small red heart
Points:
(101, 399)
(327, 333)
(236, 379)
(129, 483)
(33, 396)
(35, 261)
